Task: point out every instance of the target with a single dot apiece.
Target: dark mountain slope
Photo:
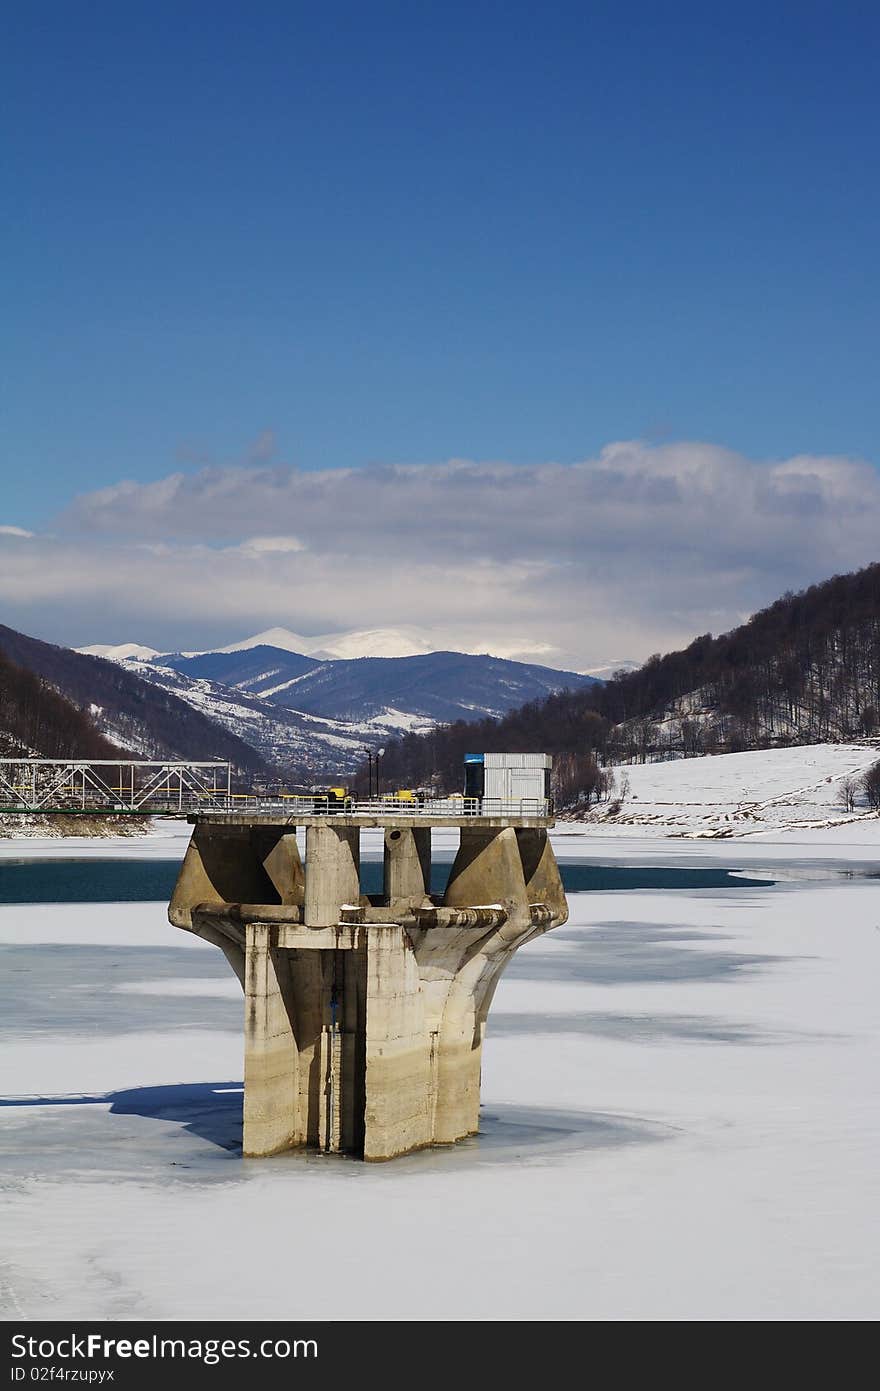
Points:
(143, 719)
(36, 721)
(439, 686)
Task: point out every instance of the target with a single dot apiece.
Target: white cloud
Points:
(636, 550)
(269, 545)
(15, 531)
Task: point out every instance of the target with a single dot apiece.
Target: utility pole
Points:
(379, 753)
(369, 753)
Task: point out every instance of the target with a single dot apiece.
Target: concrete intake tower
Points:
(364, 1016)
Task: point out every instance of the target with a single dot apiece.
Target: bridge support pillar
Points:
(407, 864)
(333, 869)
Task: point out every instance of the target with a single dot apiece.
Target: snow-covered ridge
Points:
(347, 646)
(367, 642)
(271, 637)
(384, 642)
(123, 651)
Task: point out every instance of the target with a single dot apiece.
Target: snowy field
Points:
(740, 794)
(680, 1117)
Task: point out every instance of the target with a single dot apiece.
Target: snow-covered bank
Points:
(163, 838)
(739, 794)
(44, 826)
(680, 1122)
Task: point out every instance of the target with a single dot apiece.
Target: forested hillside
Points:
(36, 721)
(805, 670)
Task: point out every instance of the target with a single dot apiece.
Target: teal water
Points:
(146, 881)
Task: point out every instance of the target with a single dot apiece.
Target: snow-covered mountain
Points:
(358, 642)
(281, 638)
(120, 652)
(305, 711)
(286, 738)
(368, 642)
(436, 687)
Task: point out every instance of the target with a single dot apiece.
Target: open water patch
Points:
(87, 881)
(150, 881)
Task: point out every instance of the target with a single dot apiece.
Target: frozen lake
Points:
(680, 1117)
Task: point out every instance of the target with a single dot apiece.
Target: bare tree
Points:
(847, 792)
(871, 786)
(577, 778)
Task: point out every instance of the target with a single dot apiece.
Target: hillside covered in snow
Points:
(738, 794)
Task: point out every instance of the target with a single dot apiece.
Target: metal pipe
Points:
(252, 912)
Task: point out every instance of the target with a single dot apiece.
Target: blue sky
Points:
(341, 235)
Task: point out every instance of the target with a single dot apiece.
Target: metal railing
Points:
(292, 805)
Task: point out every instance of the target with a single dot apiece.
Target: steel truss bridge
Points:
(84, 785)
